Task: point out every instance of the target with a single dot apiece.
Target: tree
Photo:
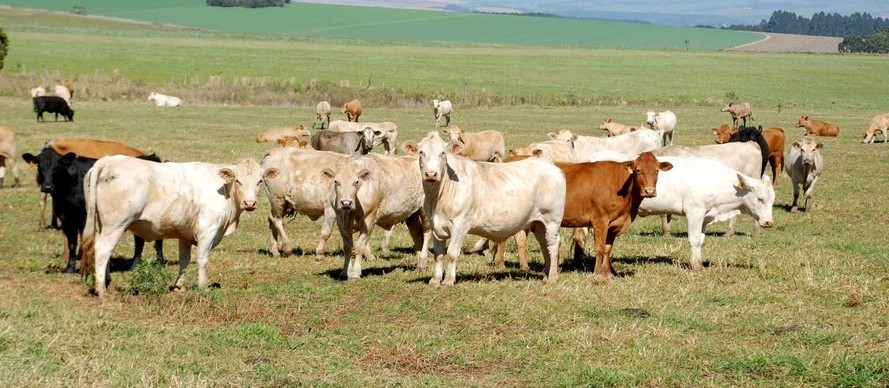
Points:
(4, 46)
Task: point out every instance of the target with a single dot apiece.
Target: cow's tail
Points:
(88, 243)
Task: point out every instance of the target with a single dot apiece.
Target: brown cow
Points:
(774, 136)
(817, 127)
(605, 196)
(276, 134)
(352, 109)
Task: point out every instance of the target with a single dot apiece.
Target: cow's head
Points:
(152, 96)
(803, 120)
(367, 141)
(563, 135)
(454, 134)
(758, 197)
(433, 157)
(724, 133)
(48, 162)
(243, 182)
(651, 118)
(807, 149)
(345, 183)
(644, 171)
(727, 107)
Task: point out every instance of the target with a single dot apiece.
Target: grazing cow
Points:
(69, 89)
(164, 100)
(295, 185)
(350, 143)
(880, 123)
(322, 113)
(615, 129)
(38, 91)
(374, 190)
(745, 157)
(774, 138)
(738, 111)
(707, 191)
(491, 200)
(817, 127)
(197, 203)
(88, 148)
(352, 110)
(662, 122)
(804, 168)
(484, 146)
(553, 150)
(385, 133)
(7, 155)
(276, 134)
(442, 109)
(52, 104)
(62, 177)
(634, 143)
(604, 196)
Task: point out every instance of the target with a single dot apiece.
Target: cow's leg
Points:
(420, 237)
(184, 259)
(521, 242)
(327, 221)
(600, 237)
(810, 190)
(71, 234)
(276, 235)
(139, 245)
(438, 250)
(606, 258)
(793, 206)
(347, 249)
(696, 239)
(42, 221)
(362, 247)
(458, 234)
(579, 236)
(548, 237)
(500, 254)
(665, 224)
(204, 246)
(159, 250)
(387, 237)
(730, 230)
(103, 245)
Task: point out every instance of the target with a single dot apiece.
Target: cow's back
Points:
(745, 157)
(299, 180)
(92, 148)
(593, 184)
(692, 184)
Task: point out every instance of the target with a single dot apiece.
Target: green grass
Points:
(803, 305)
(385, 24)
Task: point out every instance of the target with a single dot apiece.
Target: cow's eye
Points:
(336, 183)
(238, 182)
(422, 154)
(356, 183)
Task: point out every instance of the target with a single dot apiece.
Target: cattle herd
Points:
(446, 186)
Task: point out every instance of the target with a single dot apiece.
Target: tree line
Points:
(247, 3)
(861, 31)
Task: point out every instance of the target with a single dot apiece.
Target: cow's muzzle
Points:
(46, 189)
(767, 223)
(649, 192)
(346, 204)
(249, 206)
(430, 176)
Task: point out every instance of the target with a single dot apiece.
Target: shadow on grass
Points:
(685, 234)
(334, 273)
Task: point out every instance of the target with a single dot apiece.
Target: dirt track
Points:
(790, 43)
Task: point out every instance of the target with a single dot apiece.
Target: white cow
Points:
(804, 165)
(322, 114)
(62, 91)
(484, 146)
(295, 185)
(553, 150)
(491, 200)
(442, 108)
(374, 190)
(385, 133)
(633, 143)
(197, 203)
(744, 157)
(38, 91)
(662, 122)
(706, 191)
(164, 100)
(878, 124)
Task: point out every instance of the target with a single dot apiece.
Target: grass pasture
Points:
(805, 304)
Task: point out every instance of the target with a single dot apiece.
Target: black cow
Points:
(62, 178)
(754, 134)
(52, 104)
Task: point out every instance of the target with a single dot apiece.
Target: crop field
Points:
(804, 304)
(374, 24)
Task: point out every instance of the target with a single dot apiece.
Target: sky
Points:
(686, 12)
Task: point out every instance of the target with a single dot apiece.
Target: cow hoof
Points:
(178, 288)
(69, 270)
(794, 209)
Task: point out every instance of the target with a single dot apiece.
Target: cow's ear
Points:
(551, 135)
(282, 143)
(665, 166)
(715, 131)
(29, 158)
(410, 148)
(378, 133)
(69, 157)
(271, 173)
(631, 166)
(574, 137)
(327, 174)
(633, 129)
(455, 147)
(745, 182)
(303, 144)
(538, 153)
(512, 152)
(795, 145)
(446, 132)
(227, 174)
(608, 120)
(364, 174)
(819, 146)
